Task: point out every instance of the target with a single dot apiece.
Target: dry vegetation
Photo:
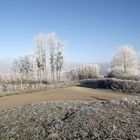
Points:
(100, 119)
(119, 85)
(12, 89)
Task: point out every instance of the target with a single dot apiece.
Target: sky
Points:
(92, 28)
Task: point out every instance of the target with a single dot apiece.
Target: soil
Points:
(71, 93)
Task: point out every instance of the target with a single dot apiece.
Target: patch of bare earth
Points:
(71, 93)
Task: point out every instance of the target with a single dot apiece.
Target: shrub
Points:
(119, 74)
(129, 86)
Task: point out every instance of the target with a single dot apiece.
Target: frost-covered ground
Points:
(68, 120)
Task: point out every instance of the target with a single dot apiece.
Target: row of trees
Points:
(56, 57)
(36, 67)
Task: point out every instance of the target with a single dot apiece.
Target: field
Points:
(71, 93)
(70, 113)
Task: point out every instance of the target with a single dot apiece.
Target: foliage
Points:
(56, 56)
(124, 86)
(124, 62)
(97, 119)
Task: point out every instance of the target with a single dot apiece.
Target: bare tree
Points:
(23, 68)
(40, 44)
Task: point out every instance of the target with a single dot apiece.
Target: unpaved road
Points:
(72, 93)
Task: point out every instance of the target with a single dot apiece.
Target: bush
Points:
(119, 74)
(128, 86)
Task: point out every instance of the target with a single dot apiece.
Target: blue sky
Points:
(92, 28)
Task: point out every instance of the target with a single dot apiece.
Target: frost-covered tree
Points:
(88, 71)
(56, 56)
(52, 40)
(40, 44)
(59, 59)
(124, 60)
(23, 66)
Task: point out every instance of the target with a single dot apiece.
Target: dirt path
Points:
(72, 93)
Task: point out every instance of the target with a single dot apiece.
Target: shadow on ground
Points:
(94, 84)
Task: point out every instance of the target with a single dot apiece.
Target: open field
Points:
(71, 93)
